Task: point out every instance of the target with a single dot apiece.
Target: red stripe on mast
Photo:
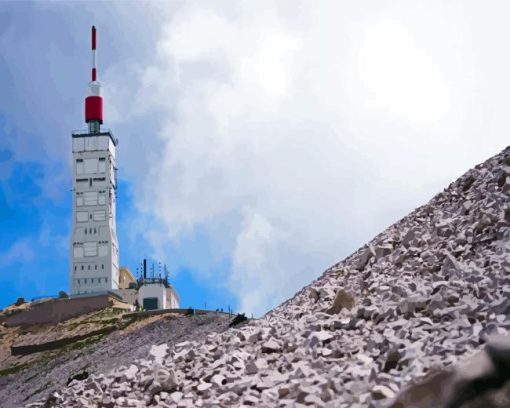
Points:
(94, 75)
(93, 37)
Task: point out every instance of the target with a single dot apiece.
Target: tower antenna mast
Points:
(94, 101)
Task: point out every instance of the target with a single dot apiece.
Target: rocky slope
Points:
(42, 373)
(422, 295)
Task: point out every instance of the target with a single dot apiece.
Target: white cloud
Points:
(20, 250)
(290, 133)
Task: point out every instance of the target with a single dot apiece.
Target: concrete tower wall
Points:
(94, 247)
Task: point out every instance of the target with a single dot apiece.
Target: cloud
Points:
(290, 133)
(21, 250)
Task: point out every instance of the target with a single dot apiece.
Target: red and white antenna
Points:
(94, 72)
(94, 102)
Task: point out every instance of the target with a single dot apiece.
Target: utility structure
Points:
(156, 292)
(94, 248)
(149, 292)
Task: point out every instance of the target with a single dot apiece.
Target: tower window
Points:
(82, 267)
(82, 216)
(79, 166)
(102, 165)
(78, 252)
(95, 267)
(99, 215)
(102, 266)
(90, 248)
(89, 267)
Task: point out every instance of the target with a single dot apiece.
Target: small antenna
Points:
(94, 101)
(94, 70)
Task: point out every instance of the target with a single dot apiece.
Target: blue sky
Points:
(260, 142)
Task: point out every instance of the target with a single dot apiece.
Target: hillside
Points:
(25, 378)
(423, 295)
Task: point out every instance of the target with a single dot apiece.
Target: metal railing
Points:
(102, 132)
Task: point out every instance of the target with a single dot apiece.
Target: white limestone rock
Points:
(271, 346)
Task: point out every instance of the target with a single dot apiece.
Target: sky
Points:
(259, 142)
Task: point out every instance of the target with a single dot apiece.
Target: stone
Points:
(383, 250)
(106, 403)
(408, 237)
(382, 392)
(203, 387)
(154, 388)
(364, 358)
(251, 400)
(365, 257)
(218, 379)
(159, 352)
(392, 360)
(319, 337)
(251, 368)
(131, 372)
(271, 346)
(176, 396)
(314, 295)
(94, 386)
(342, 300)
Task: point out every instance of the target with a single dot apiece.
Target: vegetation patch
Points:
(78, 377)
(13, 369)
(85, 342)
(238, 320)
(51, 345)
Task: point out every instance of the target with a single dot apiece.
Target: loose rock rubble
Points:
(53, 370)
(421, 296)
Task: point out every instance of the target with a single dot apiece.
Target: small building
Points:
(126, 278)
(156, 293)
(128, 287)
(149, 293)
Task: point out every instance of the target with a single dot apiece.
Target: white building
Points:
(94, 249)
(94, 245)
(154, 293)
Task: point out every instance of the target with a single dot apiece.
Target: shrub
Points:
(20, 301)
(238, 319)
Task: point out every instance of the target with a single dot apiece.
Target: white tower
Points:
(94, 247)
